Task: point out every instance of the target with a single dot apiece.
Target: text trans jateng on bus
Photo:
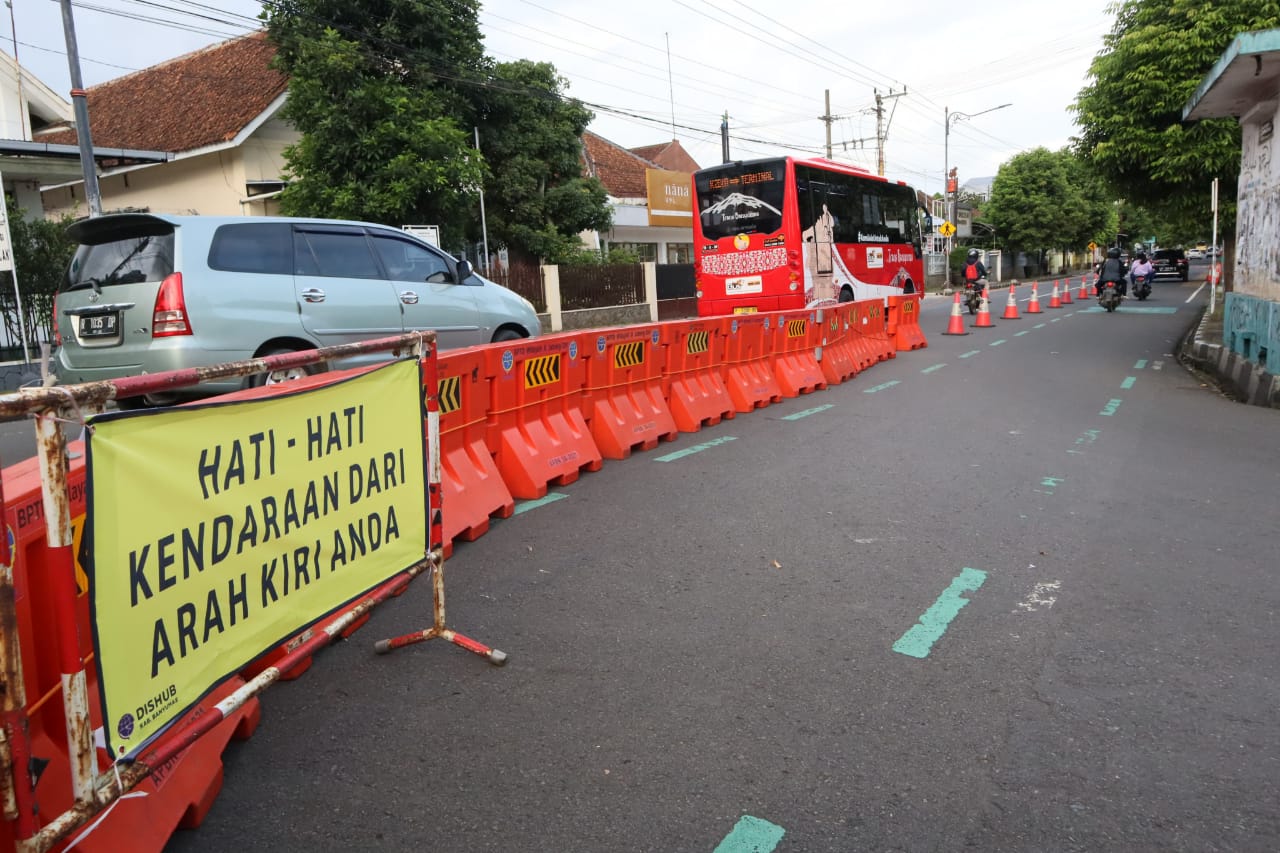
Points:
(780, 234)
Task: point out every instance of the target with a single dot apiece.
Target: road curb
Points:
(1246, 381)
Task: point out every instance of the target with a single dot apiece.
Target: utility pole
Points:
(882, 132)
(827, 118)
(724, 138)
(81, 104)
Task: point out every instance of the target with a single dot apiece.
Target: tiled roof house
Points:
(622, 171)
(214, 110)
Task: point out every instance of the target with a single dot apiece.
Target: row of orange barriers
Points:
(516, 419)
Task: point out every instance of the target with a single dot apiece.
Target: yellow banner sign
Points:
(218, 531)
(670, 198)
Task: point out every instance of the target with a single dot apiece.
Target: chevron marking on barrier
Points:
(696, 343)
(797, 328)
(449, 394)
(542, 370)
(628, 354)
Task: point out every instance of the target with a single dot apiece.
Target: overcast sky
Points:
(765, 63)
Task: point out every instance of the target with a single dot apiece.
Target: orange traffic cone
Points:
(955, 326)
(1084, 288)
(984, 313)
(1095, 284)
(1011, 307)
(1066, 293)
(1033, 307)
(1055, 301)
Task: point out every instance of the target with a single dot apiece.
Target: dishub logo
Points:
(741, 242)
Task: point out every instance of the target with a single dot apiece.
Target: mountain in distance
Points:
(735, 200)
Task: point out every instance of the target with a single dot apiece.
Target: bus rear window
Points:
(741, 199)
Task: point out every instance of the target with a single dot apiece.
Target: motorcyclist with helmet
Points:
(974, 270)
(1113, 269)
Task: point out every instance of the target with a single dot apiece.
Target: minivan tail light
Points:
(170, 315)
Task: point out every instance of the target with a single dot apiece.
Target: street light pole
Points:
(951, 198)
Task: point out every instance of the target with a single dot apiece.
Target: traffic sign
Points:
(946, 229)
(1093, 247)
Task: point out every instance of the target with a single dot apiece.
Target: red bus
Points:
(780, 234)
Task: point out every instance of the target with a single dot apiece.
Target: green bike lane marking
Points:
(1128, 382)
(798, 415)
(1139, 364)
(998, 343)
(1023, 332)
(971, 352)
(933, 368)
(697, 448)
(1039, 325)
(933, 624)
(1111, 407)
(751, 835)
(551, 497)
(880, 387)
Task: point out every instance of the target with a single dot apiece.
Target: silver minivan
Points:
(147, 293)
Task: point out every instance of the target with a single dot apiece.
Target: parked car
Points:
(151, 292)
(1195, 254)
(1171, 262)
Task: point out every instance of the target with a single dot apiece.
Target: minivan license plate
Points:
(99, 325)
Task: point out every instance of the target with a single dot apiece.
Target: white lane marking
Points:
(1039, 596)
(1197, 293)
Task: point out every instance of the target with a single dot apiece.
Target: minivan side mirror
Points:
(464, 270)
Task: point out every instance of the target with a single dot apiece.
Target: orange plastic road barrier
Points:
(471, 487)
(795, 364)
(179, 793)
(691, 383)
(860, 341)
(871, 326)
(622, 398)
(1033, 305)
(537, 433)
(746, 368)
(903, 324)
(838, 359)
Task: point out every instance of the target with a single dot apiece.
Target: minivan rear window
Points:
(128, 260)
(253, 247)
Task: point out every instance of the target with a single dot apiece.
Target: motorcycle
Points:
(973, 294)
(1142, 287)
(1108, 296)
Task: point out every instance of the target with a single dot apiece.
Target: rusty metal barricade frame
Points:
(93, 793)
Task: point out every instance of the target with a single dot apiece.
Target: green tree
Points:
(377, 90)
(1044, 199)
(42, 252)
(537, 200)
(1130, 111)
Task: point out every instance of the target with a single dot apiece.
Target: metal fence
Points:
(597, 285)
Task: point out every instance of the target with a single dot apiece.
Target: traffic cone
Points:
(1066, 293)
(1011, 307)
(1084, 288)
(1095, 285)
(1033, 307)
(984, 313)
(955, 326)
(1055, 301)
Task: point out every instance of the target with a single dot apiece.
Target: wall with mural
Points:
(1257, 270)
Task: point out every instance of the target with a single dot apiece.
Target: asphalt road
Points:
(713, 650)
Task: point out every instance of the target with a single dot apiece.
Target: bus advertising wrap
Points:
(218, 531)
